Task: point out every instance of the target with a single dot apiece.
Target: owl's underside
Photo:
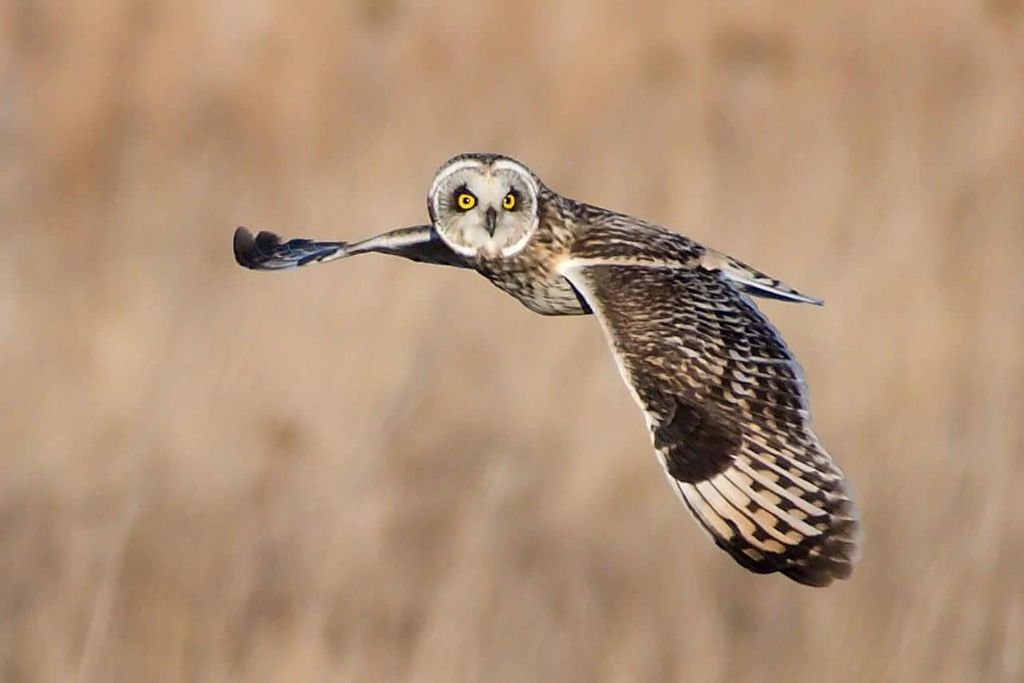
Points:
(723, 398)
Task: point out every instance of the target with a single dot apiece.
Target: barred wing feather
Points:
(726, 405)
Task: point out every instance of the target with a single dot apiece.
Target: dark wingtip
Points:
(253, 251)
(837, 555)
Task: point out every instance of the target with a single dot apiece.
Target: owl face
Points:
(483, 205)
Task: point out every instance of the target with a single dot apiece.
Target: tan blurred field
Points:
(378, 470)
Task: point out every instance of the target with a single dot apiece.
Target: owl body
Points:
(531, 275)
(569, 229)
(723, 398)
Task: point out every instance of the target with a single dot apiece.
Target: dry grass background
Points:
(382, 471)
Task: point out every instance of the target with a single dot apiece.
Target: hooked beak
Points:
(491, 221)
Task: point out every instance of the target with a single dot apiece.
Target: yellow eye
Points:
(509, 202)
(466, 201)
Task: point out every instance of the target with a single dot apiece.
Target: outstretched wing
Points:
(727, 408)
(266, 251)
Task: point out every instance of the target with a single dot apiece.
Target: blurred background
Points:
(378, 470)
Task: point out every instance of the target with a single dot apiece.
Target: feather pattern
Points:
(726, 405)
(724, 399)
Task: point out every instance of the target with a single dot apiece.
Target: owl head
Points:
(484, 205)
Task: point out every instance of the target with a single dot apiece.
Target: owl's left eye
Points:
(509, 202)
(465, 200)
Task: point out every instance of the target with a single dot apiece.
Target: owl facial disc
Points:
(484, 205)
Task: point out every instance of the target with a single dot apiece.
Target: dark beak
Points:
(491, 221)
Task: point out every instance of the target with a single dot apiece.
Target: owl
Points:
(724, 399)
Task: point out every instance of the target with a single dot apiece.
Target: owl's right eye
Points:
(465, 201)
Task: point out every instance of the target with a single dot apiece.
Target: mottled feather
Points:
(726, 405)
(724, 399)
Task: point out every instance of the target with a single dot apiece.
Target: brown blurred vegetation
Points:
(381, 471)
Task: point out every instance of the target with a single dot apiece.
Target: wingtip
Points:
(251, 251)
(794, 296)
(242, 243)
(837, 556)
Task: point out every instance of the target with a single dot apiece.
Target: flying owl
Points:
(724, 399)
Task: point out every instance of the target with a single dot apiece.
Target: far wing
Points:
(751, 281)
(726, 405)
(617, 238)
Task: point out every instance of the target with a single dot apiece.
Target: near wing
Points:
(727, 408)
(266, 251)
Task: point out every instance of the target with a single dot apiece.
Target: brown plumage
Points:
(724, 399)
